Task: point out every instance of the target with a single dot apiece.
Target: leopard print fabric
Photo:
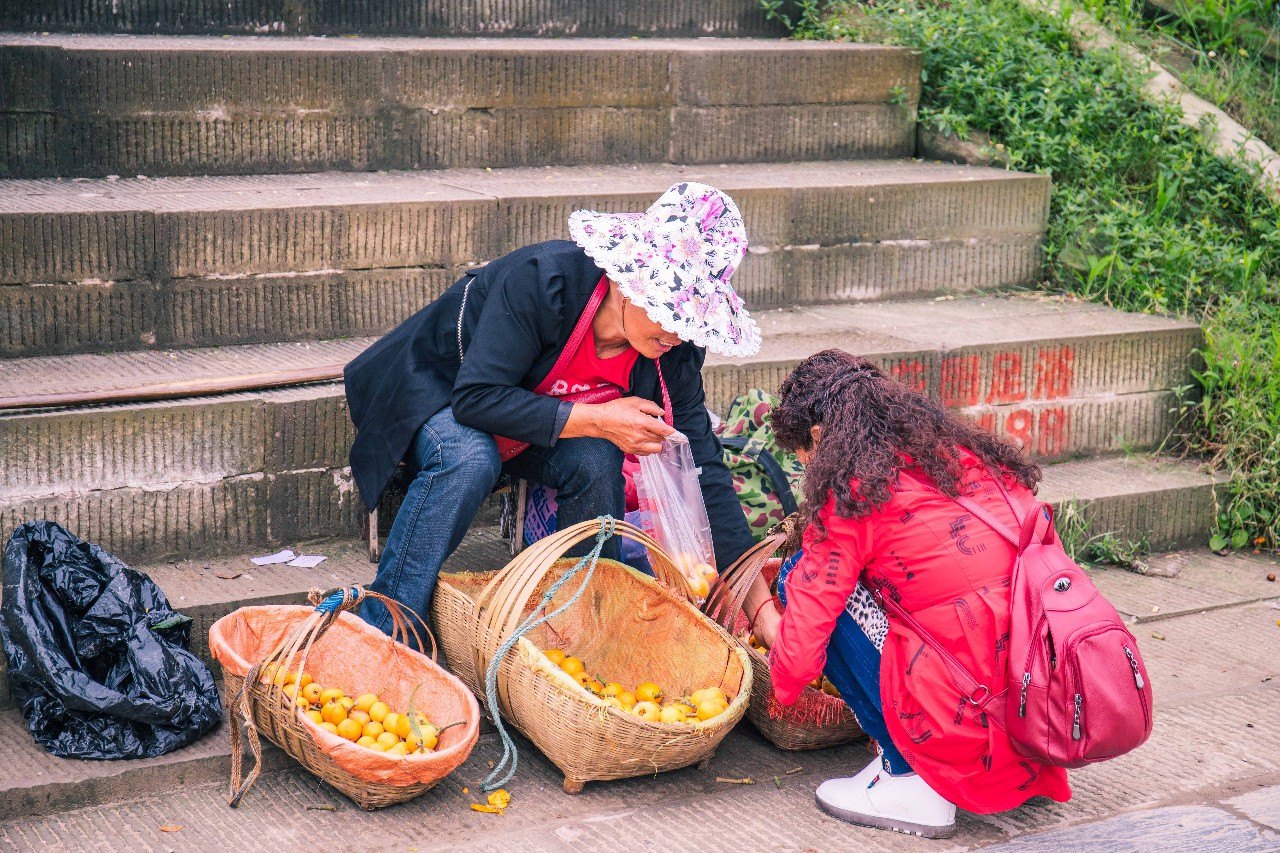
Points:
(868, 615)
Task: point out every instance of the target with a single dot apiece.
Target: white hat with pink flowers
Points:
(675, 261)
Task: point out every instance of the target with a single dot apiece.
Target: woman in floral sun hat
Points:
(549, 364)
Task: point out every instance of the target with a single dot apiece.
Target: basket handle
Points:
(500, 606)
(299, 642)
(499, 620)
(730, 591)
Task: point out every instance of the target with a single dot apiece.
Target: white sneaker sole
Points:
(875, 822)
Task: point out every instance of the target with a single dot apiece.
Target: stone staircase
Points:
(202, 212)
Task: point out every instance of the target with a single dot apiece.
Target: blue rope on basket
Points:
(589, 562)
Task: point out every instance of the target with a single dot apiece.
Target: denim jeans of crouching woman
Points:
(456, 468)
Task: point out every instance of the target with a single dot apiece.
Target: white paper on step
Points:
(279, 557)
(308, 562)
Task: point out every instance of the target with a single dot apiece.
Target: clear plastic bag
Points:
(672, 511)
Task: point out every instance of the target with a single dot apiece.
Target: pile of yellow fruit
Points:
(820, 683)
(364, 720)
(646, 701)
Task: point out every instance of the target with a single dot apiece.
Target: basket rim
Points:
(742, 698)
(254, 691)
(740, 701)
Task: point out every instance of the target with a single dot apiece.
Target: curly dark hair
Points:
(869, 423)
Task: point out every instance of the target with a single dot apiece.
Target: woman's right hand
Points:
(634, 424)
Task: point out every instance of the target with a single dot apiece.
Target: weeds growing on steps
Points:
(1143, 216)
(1084, 545)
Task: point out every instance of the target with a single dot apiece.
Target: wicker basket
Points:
(323, 638)
(816, 720)
(626, 625)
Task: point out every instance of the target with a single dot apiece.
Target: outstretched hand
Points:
(634, 424)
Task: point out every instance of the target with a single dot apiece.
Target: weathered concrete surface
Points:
(1192, 783)
(217, 473)
(200, 261)
(582, 18)
(1203, 581)
(1171, 504)
(164, 105)
(1182, 829)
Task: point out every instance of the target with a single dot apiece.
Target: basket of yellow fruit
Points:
(819, 718)
(363, 711)
(610, 672)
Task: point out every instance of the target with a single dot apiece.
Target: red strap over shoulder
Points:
(575, 337)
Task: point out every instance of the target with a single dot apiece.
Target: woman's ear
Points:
(815, 433)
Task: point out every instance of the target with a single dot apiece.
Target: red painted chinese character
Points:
(960, 377)
(1055, 369)
(911, 374)
(1055, 431)
(1006, 379)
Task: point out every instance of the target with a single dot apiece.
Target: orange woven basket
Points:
(347, 652)
(815, 720)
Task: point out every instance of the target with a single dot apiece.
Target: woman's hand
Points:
(632, 423)
(766, 626)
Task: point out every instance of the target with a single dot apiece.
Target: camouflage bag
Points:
(766, 479)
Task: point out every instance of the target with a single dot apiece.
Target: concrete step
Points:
(198, 105)
(220, 473)
(179, 262)
(580, 18)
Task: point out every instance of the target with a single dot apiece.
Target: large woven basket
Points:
(627, 626)
(357, 657)
(816, 720)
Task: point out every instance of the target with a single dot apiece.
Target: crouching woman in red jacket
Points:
(882, 463)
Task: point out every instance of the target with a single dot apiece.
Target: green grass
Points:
(1216, 47)
(1144, 216)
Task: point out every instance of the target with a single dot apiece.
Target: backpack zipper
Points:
(1133, 664)
(1022, 696)
(1075, 726)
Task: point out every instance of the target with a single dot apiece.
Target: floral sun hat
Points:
(674, 261)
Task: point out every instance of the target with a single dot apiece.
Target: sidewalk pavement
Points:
(1208, 780)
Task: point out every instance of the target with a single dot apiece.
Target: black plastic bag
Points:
(98, 662)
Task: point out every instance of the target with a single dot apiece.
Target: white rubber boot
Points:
(876, 799)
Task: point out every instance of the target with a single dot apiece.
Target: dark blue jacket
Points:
(520, 311)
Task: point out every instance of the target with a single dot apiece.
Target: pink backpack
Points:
(1078, 690)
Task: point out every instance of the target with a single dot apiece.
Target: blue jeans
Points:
(853, 666)
(456, 468)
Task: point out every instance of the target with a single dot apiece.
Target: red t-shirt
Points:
(587, 371)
